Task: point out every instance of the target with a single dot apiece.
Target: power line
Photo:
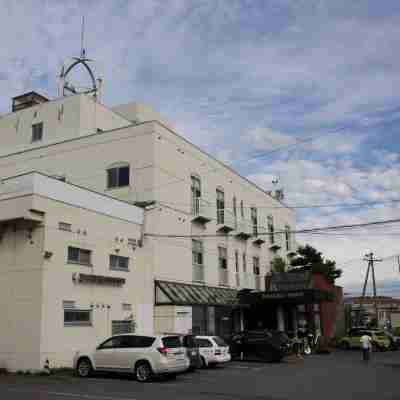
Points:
(299, 231)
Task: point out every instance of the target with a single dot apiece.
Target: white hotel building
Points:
(91, 201)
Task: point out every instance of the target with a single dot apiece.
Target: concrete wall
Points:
(21, 276)
(64, 118)
(98, 233)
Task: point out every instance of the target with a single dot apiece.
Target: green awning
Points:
(185, 294)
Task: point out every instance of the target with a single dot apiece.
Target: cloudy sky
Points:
(305, 91)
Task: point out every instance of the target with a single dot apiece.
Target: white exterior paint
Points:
(33, 286)
(161, 164)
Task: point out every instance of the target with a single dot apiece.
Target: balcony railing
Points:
(243, 229)
(201, 210)
(257, 282)
(198, 273)
(261, 235)
(225, 220)
(223, 277)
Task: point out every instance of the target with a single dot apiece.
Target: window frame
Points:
(244, 262)
(197, 252)
(79, 261)
(34, 137)
(117, 168)
(256, 265)
(89, 322)
(118, 268)
(271, 229)
(220, 199)
(222, 258)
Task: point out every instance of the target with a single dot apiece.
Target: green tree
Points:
(278, 264)
(310, 259)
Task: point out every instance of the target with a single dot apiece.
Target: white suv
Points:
(145, 356)
(213, 350)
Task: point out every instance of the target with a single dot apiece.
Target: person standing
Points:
(365, 346)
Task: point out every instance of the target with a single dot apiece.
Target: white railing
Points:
(198, 273)
(201, 207)
(223, 277)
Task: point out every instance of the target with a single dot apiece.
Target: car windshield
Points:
(171, 342)
(219, 341)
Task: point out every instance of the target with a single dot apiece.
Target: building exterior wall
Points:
(21, 293)
(161, 165)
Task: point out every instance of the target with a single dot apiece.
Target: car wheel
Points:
(84, 368)
(345, 346)
(143, 372)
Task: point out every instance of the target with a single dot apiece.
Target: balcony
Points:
(201, 210)
(223, 277)
(225, 221)
(261, 236)
(244, 229)
(198, 273)
(275, 242)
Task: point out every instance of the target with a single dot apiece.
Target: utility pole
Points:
(370, 258)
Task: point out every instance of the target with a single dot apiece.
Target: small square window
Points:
(118, 177)
(119, 262)
(37, 132)
(73, 317)
(79, 256)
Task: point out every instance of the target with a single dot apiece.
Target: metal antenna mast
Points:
(83, 51)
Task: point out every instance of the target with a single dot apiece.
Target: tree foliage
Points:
(310, 259)
(278, 264)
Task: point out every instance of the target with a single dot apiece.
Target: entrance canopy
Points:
(184, 294)
(287, 288)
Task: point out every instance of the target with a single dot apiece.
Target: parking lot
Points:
(340, 375)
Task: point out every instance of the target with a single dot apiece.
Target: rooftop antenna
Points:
(67, 87)
(83, 51)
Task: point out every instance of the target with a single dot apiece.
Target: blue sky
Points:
(242, 78)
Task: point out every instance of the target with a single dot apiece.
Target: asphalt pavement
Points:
(340, 375)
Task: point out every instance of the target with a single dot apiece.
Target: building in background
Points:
(388, 310)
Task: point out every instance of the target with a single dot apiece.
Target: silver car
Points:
(143, 356)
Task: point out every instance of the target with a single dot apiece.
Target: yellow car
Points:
(379, 340)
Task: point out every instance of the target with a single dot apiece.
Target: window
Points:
(222, 257)
(118, 176)
(119, 262)
(244, 261)
(254, 220)
(287, 237)
(63, 226)
(79, 256)
(114, 342)
(270, 224)
(234, 209)
(171, 342)
(203, 342)
(196, 193)
(220, 206)
(73, 317)
(241, 209)
(120, 327)
(37, 132)
(256, 265)
(236, 261)
(197, 252)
